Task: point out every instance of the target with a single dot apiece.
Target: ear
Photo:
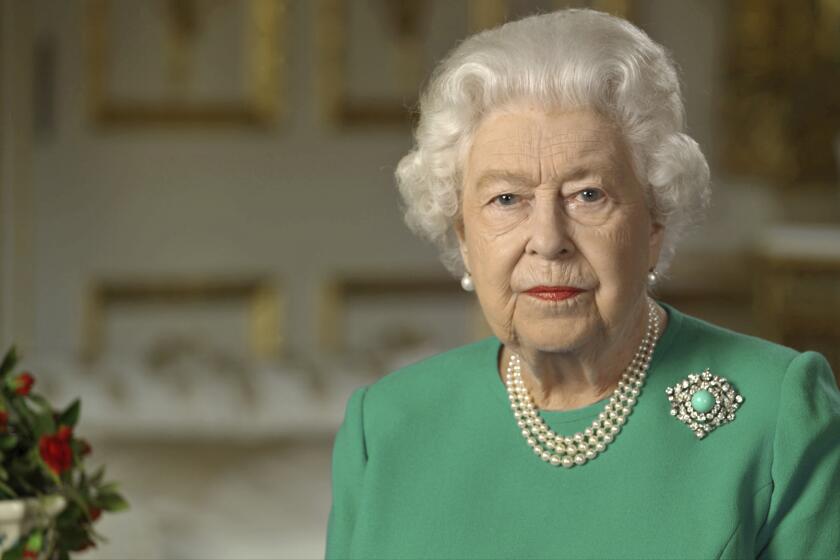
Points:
(657, 236)
(462, 243)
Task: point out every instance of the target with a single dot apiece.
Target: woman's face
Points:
(550, 200)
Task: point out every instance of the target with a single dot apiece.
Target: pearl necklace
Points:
(570, 451)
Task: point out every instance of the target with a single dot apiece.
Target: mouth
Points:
(553, 293)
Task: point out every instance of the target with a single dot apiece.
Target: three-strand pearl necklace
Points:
(570, 451)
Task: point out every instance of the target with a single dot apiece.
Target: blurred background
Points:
(200, 234)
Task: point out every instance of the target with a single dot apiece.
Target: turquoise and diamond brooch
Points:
(704, 402)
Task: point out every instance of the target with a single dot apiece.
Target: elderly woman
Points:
(552, 169)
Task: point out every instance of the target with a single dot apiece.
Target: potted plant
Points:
(49, 502)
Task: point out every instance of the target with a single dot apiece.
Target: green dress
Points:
(429, 463)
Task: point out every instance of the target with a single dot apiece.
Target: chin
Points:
(553, 338)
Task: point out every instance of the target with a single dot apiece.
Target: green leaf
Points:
(9, 361)
(74, 496)
(8, 441)
(14, 553)
(42, 403)
(43, 424)
(7, 490)
(70, 538)
(112, 501)
(25, 416)
(35, 542)
(70, 416)
(96, 478)
(82, 483)
(27, 483)
(109, 488)
(71, 518)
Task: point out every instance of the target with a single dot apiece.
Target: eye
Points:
(506, 199)
(590, 195)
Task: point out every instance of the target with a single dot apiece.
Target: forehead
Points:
(526, 136)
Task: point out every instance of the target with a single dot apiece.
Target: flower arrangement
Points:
(41, 457)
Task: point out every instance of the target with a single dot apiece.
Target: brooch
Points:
(703, 402)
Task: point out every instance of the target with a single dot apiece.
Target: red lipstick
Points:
(553, 293)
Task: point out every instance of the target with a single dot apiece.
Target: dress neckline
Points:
(591, 410)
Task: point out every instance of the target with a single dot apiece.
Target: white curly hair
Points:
(569, 58)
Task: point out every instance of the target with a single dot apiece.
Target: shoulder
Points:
(764, 372)
(421, 386)
(701, 344)
(697, 335)
(451, 368)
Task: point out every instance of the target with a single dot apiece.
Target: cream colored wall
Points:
(16, 210)
(693, 30)
(300, 201)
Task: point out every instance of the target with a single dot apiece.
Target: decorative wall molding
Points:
(262, 68)
(260, 298)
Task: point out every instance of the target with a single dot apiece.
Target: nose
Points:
(549, 235)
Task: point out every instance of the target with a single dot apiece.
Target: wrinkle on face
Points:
(557, 154)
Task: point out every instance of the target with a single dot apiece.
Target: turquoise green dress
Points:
(429, 463)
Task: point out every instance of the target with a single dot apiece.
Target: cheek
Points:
(494, 254)
(619, 239)
(501, 224)
(493, 261)
(495, 247)
(619, 251)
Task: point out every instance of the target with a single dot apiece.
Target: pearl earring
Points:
(652, 277)
(467, 282)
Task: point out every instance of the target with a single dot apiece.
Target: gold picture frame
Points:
(261, 296)
(260, 103)
(340, 292)
(404, 19)
(779, 90)
(407, 47)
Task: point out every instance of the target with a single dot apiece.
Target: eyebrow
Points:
(493, 176)
(500, 176)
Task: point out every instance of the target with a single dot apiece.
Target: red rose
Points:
(30, 554)
(23, 383)
(4, 419)
(64, 433)
(55, 450)
(95, 513)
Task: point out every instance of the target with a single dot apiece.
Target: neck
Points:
(566, 381)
